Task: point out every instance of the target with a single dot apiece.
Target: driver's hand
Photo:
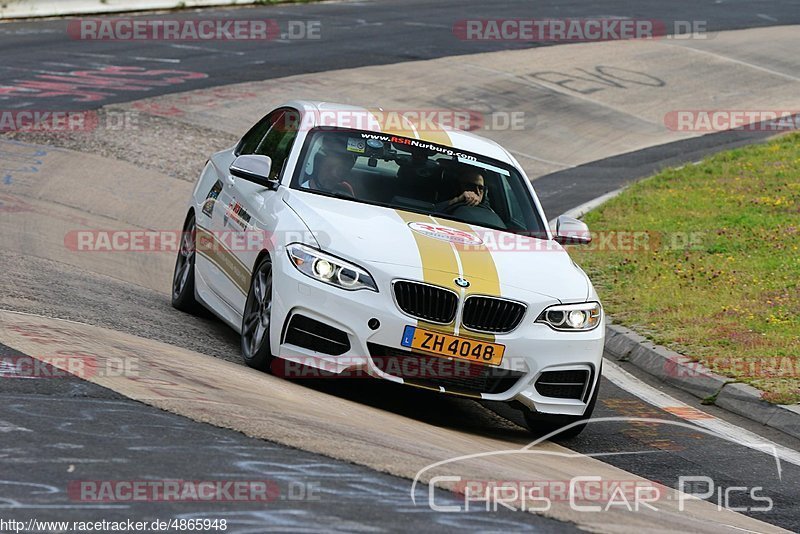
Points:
(470, 198)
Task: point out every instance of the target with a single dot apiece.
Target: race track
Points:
(594, 119)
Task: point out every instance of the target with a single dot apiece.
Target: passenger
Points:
(331, 172)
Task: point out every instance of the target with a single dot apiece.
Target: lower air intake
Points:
(314, 335)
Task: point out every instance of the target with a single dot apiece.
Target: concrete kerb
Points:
(667, 365)
(681, 372)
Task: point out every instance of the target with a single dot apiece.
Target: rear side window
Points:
(253, 137)
(272, 136)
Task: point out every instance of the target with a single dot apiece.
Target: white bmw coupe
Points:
(343, 239)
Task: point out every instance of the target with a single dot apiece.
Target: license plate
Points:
(471, 350)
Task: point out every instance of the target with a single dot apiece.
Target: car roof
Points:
(415, 124)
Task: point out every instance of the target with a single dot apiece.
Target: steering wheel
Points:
(479, 214)
(451, 208)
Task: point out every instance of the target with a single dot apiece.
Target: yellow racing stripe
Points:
(208, 246)
(394, 122)
(430, 131)
(479, 269)
(439, 263)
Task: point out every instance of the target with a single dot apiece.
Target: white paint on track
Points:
(659, 399)
(549, 162)
(744, 63)
(554, 87)
(579, 211)
(207, 49)
(156, 59)
(6, 427)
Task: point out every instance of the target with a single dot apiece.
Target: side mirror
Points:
(254, 169)
(570, 231)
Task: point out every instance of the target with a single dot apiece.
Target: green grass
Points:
(720, 278)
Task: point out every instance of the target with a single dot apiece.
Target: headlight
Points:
(329, 269)
(572, 317)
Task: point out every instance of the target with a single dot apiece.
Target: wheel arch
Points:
(189, 213)
(261, 255)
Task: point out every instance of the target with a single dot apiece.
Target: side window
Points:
(278, 140)
(521, 214)
(253, 137)
(513, 203)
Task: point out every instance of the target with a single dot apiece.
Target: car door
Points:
(245, 224)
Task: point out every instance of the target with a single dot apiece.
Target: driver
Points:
(470, 203)
(471, 189)
(331, 173)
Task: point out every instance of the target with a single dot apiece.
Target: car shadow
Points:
(446, 411)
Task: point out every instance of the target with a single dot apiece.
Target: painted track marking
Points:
(659, 399)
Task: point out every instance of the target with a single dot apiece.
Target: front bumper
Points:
(531, 349)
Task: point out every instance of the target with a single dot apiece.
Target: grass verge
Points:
(705, 260)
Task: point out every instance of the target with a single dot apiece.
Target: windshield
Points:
(418, 176)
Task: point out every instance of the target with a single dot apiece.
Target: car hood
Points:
(440, 250)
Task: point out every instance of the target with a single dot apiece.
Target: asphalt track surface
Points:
(52, 427)
(355, 34)
(94, 431)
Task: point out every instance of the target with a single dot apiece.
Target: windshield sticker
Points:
(414, 143)
(445, 233)
(356, 145)
(485, 166)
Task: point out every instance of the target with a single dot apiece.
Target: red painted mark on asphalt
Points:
(13, 204)
(652, 434)
(95, 85)
(687, 412)
(161, 110)
(42, 334)
(201, 99)
(9, 204)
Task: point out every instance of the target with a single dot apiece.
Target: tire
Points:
(543, 424)
(183, 277)
(257, 318)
